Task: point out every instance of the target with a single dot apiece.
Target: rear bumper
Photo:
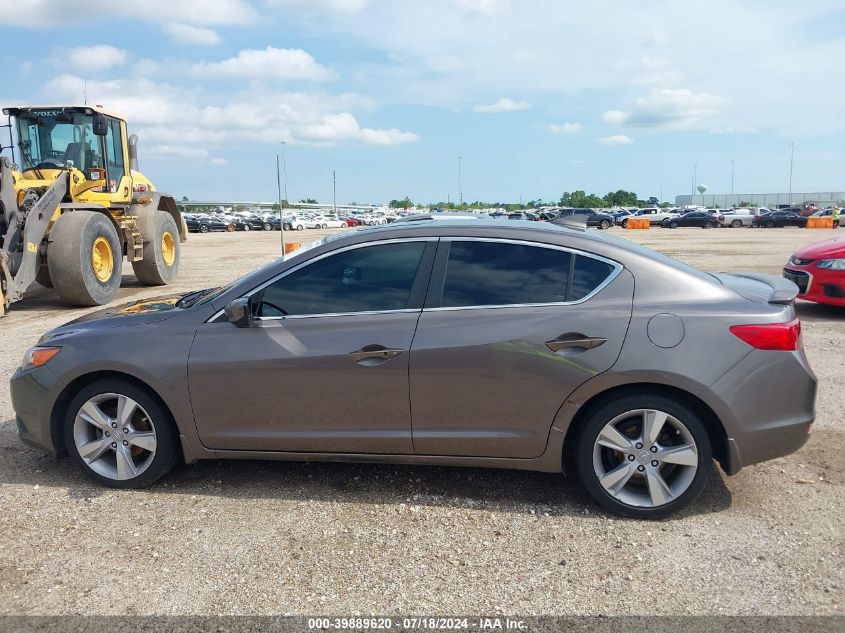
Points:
(773, 409)
(33, 407)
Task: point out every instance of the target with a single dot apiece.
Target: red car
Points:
(350, 221)
(819, 271)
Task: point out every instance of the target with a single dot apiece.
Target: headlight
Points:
(832, 264)
(37, 356)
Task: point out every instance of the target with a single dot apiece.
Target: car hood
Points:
(834, 247)
(140, 312)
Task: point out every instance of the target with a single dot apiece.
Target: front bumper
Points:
(33, 407)
(818, 284)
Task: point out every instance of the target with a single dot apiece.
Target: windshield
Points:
(48, 139)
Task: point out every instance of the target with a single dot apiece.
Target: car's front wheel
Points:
(119, 435)
(605, 224)
(644, 456)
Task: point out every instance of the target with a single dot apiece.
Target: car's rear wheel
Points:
(673, 225)
(119, 435)
(299, 227)
(736, 224)
(605, 224)
(644, 456)
(204, 228)
(247, 227)
(267, 226)
(707, 225)
(770, 225)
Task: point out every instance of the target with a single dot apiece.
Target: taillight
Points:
(778, 337)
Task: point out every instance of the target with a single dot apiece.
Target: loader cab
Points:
(81, 138)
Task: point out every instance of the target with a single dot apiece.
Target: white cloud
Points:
(502, 105)
(675, 108)
(565, 128)
(484, 7)
(50, 13)
(219, 161)
(270, 63)
(187, 34)
(174, 119)
(614, 117)
(343, 6)
(616, 139)
(91, 58)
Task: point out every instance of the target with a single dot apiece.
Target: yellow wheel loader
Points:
(73, 205)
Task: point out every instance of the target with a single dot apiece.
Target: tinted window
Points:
(494, 273)
(589, 274)
(371, 278)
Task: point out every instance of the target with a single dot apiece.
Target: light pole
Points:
(694, 178)
(661, 193)
(460, 188)
(792, 147)
(334, 192)
(281, 214)
(733, 169)
(284, 171)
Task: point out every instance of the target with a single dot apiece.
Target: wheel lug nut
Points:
(114, 444)
(655, 463)
(639, 445)
(653, 449)
(641, 468)
(114, 425)
(125, 443)
(126, 430)
(108, 434)
(631, 458)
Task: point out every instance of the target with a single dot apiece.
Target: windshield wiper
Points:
(191, 298)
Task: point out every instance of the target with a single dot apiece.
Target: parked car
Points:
(300, 222)
(350, 221)
(701, 219)
(203, 223)
(276, 224)
(741, 216)
(779, 219)
(594, 218)
(327, 222)
(654, 215)
(578, 371)
(818, 270)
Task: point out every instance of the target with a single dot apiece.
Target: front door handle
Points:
(575, 341)
(371, 355)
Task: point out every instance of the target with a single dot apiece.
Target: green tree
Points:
(620, 198)
(401, 204)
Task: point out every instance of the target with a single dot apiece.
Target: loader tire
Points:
(85, 258)
(161, 253)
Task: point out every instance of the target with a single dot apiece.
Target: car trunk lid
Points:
(760, 287)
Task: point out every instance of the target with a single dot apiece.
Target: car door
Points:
(509, 330)
(324, 365)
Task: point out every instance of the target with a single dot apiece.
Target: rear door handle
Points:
(575, 341)
(371, 355)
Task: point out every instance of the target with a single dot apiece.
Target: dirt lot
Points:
(275, 537)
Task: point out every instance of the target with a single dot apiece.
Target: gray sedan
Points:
(496, 344)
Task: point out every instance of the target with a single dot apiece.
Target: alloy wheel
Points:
(115, 436)
(645, 458)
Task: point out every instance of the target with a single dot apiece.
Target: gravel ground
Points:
(260, 537)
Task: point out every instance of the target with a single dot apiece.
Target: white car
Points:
(328, 222)
(299, 223)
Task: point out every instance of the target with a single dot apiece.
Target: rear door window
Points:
(482, 273)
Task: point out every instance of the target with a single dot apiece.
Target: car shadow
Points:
(819, 312)
(498, 490)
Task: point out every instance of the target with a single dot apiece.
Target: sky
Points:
(536, 97)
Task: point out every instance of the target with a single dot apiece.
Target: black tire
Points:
(299, 227)
(707, 225)
(673, 225)
(71, 262)
(247, 227)
(167, 452)
(736, 224)
(605, 224)
(155, 269)
(324, 226)
(770, 225)
(204, 228)
(288, 227)
(608, 410)
(267, 226)
(231, 228)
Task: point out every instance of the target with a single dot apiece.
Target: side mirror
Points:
(101, 125)
(239, 312)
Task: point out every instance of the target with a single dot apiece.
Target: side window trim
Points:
(418, 287)
(438, 274)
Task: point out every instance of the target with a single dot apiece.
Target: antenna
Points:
(85, 92)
